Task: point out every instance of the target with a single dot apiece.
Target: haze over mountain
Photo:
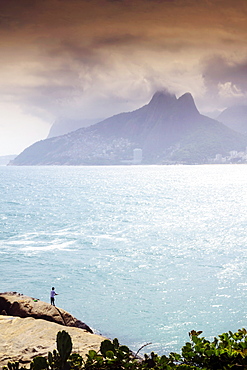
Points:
(65, 125)
(88, 59)
(167, 130)
(235, 117)
(5, 159)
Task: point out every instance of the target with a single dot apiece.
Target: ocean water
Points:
(141, 253)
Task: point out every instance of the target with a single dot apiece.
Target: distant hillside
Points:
(63, 126)
(235, 118)
(168, 130)
(5, 159)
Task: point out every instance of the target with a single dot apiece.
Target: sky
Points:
(81, 59)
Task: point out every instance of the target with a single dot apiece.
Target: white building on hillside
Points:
(137, 156)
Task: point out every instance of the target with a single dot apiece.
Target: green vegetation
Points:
(228, 351)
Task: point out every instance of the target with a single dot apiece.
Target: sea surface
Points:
(141, 253)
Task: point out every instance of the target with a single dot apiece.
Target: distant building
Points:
(233, 153)
(137, 156)
(218, 158)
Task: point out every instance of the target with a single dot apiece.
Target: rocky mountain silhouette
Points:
(168, 130)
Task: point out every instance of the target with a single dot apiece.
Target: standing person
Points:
(53, 293)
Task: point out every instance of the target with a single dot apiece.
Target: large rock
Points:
(22, 339)
(15, 304)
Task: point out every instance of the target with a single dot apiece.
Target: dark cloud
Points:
(69, 50)
(225, 81)
(5, 22)
(93, 58)
(221, 70)
(117, 40)
(14, 14)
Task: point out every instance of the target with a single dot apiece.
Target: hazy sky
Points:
(95, 58)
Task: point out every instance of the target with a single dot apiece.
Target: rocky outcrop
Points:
(22, 339)
(15, 304)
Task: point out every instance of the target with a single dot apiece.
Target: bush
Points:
(228, 351)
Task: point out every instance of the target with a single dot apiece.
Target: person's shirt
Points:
(53, 293)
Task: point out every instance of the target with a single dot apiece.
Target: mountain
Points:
(63, 126)
(235, 118)
(4, 159)
(167, 129)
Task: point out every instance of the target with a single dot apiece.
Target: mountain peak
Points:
(167, 129)
(162, 98)
(187, 103)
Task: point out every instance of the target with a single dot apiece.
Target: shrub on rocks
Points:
(228, 351)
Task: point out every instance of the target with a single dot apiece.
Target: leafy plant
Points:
(64, 346)
(228, 351)
(55, 360)
(39, 363)
(111, 356)
(12, 366)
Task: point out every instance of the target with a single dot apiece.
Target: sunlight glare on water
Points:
(142, 253)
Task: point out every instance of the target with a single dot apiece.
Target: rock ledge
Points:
(28, 328)
(16, 304)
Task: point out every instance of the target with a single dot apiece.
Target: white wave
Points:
(107, 237)
(49, 247)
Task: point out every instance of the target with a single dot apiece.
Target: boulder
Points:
(22, 339)
(16, 304)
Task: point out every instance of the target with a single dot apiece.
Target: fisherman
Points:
(53, 293)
